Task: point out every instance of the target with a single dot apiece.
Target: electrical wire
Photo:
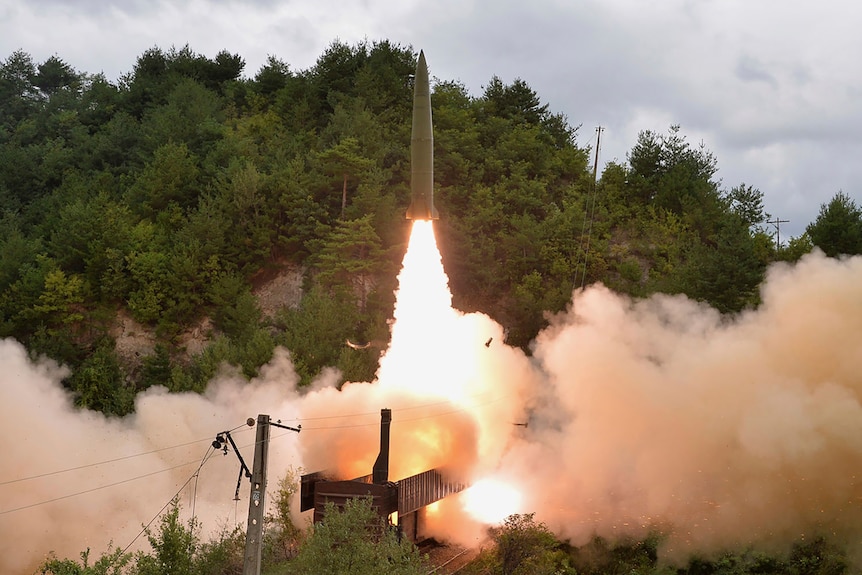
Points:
(114, 484)
(419, 418)
(197, 474)
(317, 428)
(116, 459)
(369, 413)
(589, 208)
(209, 453)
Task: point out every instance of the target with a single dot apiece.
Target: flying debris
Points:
(422, 149)
(352, 345)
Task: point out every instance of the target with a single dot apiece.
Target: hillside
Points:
(188, 216)
(164, 199)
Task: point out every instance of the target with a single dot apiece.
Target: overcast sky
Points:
(772, 87)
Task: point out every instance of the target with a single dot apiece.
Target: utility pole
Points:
(254, 531)
(256, 507)
(777, 223)
(589, 209)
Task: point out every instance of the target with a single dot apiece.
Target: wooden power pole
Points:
(777, 223)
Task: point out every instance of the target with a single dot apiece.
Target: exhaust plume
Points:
(630, 416)
(660, 414)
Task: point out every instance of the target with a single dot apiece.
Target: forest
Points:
(173, 194)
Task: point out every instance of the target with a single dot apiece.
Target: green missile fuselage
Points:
(422, 148)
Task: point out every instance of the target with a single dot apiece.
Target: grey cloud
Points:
(749, 69)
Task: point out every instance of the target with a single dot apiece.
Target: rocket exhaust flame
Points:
(492, 500)
(648, 414)
(652, 414)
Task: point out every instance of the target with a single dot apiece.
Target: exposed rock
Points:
(284, 289)
(134, 341)
(196, 338)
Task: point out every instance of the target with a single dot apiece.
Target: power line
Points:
(70, 495)
(377, 413)
(209, 453)
(116, 459)
(302, 419)
(431, 416)
(589, 209)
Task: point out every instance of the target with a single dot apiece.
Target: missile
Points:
(422, 148)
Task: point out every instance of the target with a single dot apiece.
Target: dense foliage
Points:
(353, 540)
(170, 196)
(356, 541)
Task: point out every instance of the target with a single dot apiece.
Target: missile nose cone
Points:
(422, 148)
(421, 87)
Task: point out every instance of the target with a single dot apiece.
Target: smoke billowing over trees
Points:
(158, 208)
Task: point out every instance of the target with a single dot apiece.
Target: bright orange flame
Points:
(491, 501)
(438, 353)
(423, 315)
(433, 348)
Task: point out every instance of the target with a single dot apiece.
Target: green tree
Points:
(516, 102)
(110, 563)
(726, 271)
(117, 146)
(283, 538)
(156, 368)
(189, 116)
(838, 227)
(100, 384)
(344, 160)
(172, 177)
(19, 96)
(236, 312)
(272, 76)
(91, 237)
(796, 248)
(668, 173)
(817, 557)
(60, 301)
(522, 547)
(174, 546)
(334, 74)
(243, 199)
(224, 554)
(54, 75)
(355, 540)
(747, 203)
(384, 80)
(149, 296)
(599, 557)
(18, 250)
(350, 257)
(317, 331)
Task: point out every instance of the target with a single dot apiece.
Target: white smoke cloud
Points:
(721, 432)
(647, 414)
(149, 456)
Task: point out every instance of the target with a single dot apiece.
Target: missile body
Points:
(422, 149)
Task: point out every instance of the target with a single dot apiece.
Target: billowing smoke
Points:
(640, 415)
(74, 479)
(662, 414)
